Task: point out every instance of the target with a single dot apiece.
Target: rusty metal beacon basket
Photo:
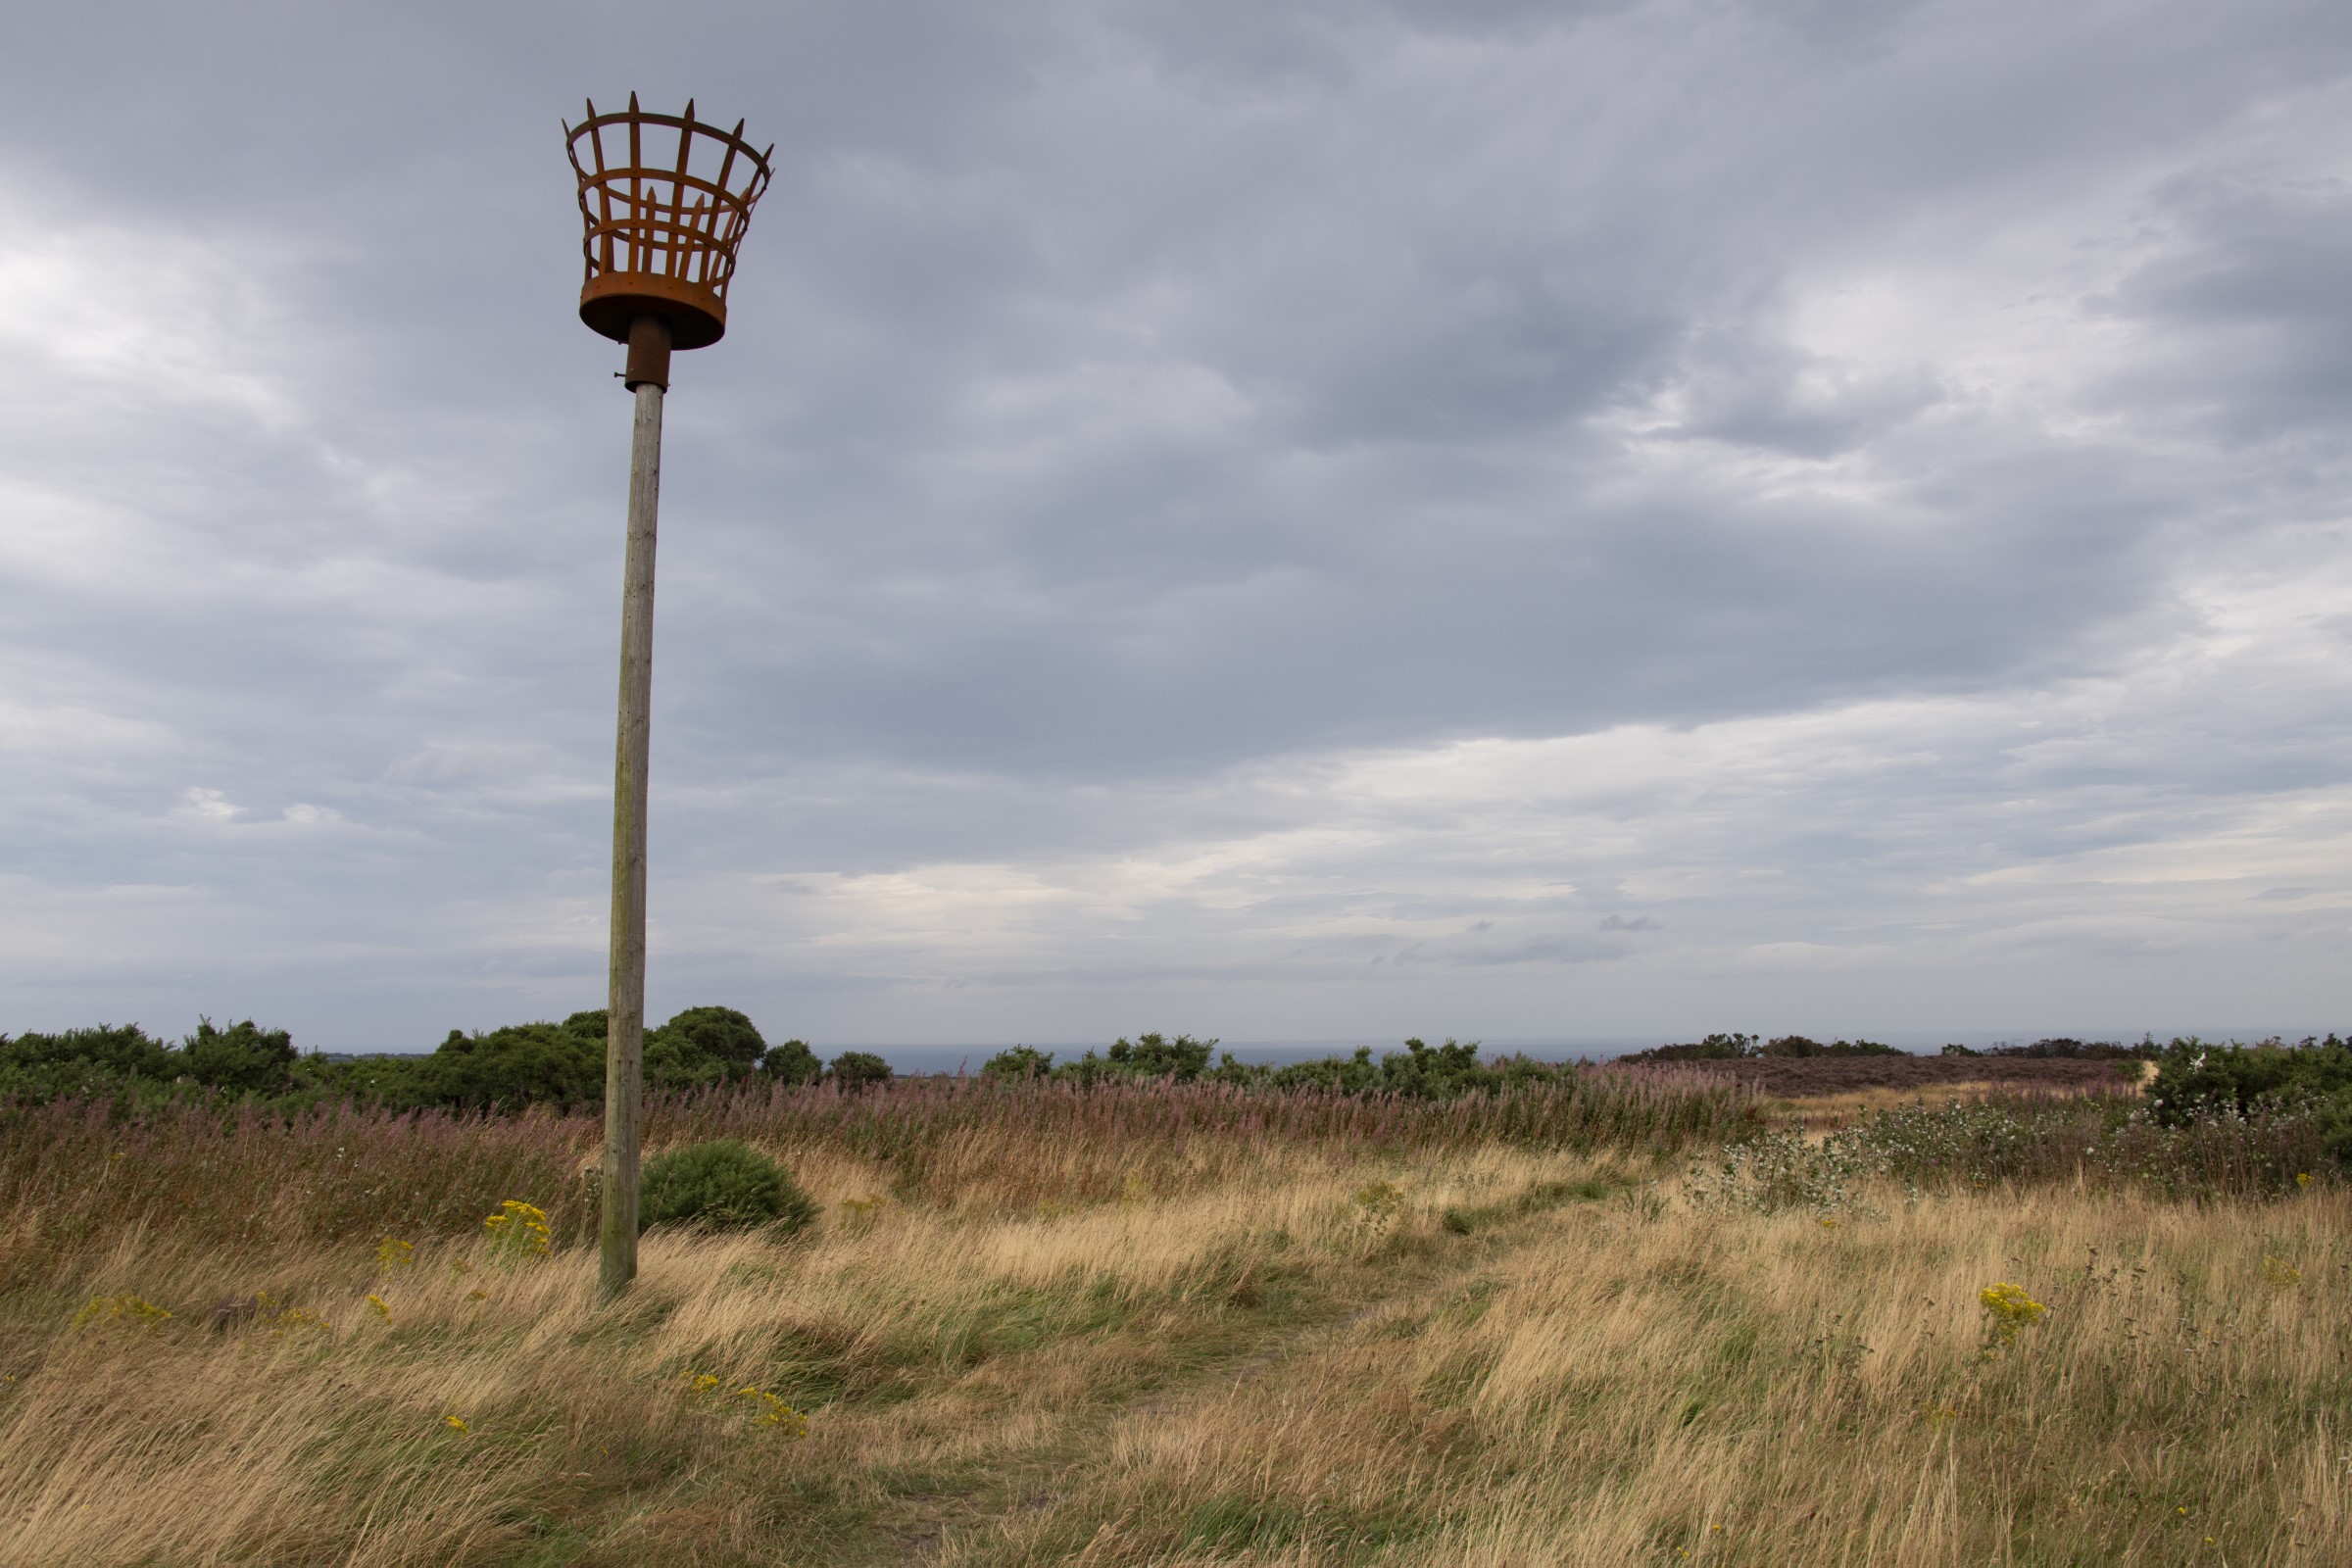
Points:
(665, 200)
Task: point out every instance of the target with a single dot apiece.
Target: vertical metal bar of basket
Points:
(624, 1039)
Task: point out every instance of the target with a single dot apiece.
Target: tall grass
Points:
(81, 1174)
(2090, 1143)
(947, 1140)
(296, 1404)
(73, 1173)
(1175, 1325)
(1677, 1387)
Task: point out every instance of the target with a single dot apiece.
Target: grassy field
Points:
(1163, 1327)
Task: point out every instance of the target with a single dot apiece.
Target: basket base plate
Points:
(610, 301)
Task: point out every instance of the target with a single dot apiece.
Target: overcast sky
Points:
(1277, 520)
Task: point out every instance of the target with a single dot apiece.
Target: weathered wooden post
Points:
(663, 223)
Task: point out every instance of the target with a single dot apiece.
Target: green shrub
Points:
(1744, 1048)
(242, 1058)
(853, 1070)
(1715, 1048)
(83, 1061)
(792, 1062)
(1148, 1055)
(2066, 1048)
(1420, 1070)
(1800, 1046)
(2196, 1082)
(720, 1184)
(517, 1066)
(701, 1046)
(1022, 1061)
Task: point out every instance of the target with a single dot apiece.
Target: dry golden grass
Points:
(1853, 1107)
(1631, 1388)
(1246, 1350)
(932, 1345)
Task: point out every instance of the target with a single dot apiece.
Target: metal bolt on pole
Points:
(659, 243)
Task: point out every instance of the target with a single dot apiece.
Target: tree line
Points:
(543, 1063)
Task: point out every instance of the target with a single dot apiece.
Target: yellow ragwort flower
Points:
(2009, 1310)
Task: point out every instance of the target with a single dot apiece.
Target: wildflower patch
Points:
(759, 1407)
(519, 1232)
(124, 1311)
(2009, 1310)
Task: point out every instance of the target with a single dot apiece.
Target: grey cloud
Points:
(1132, 418)
(2249, 295)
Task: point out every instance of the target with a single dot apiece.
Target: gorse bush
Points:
(1420, 1070)
(720, 1184)
(1022, 1061)
(503, 1069)
(242, 1058)
(1744, 1048)
(2196, 1083)
(853, 1070)
(792, 1062)
(2063, 1048)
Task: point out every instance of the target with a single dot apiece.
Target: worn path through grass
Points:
(1413, 1255)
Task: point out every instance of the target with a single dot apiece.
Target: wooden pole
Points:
(624, 1038)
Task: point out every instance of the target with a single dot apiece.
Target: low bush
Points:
(853, 1070)
(505, 1069)
(792, 1062)
(1744, 1048)
(721, 1184)
(1022, 1061)
(2197, 1083)
(1977, 1146)
(242, 1058)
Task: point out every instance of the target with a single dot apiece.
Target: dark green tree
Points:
(853, 1070)
(1022, 1061)
(242, 1058)
(704, 1044)
(792, 1062)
